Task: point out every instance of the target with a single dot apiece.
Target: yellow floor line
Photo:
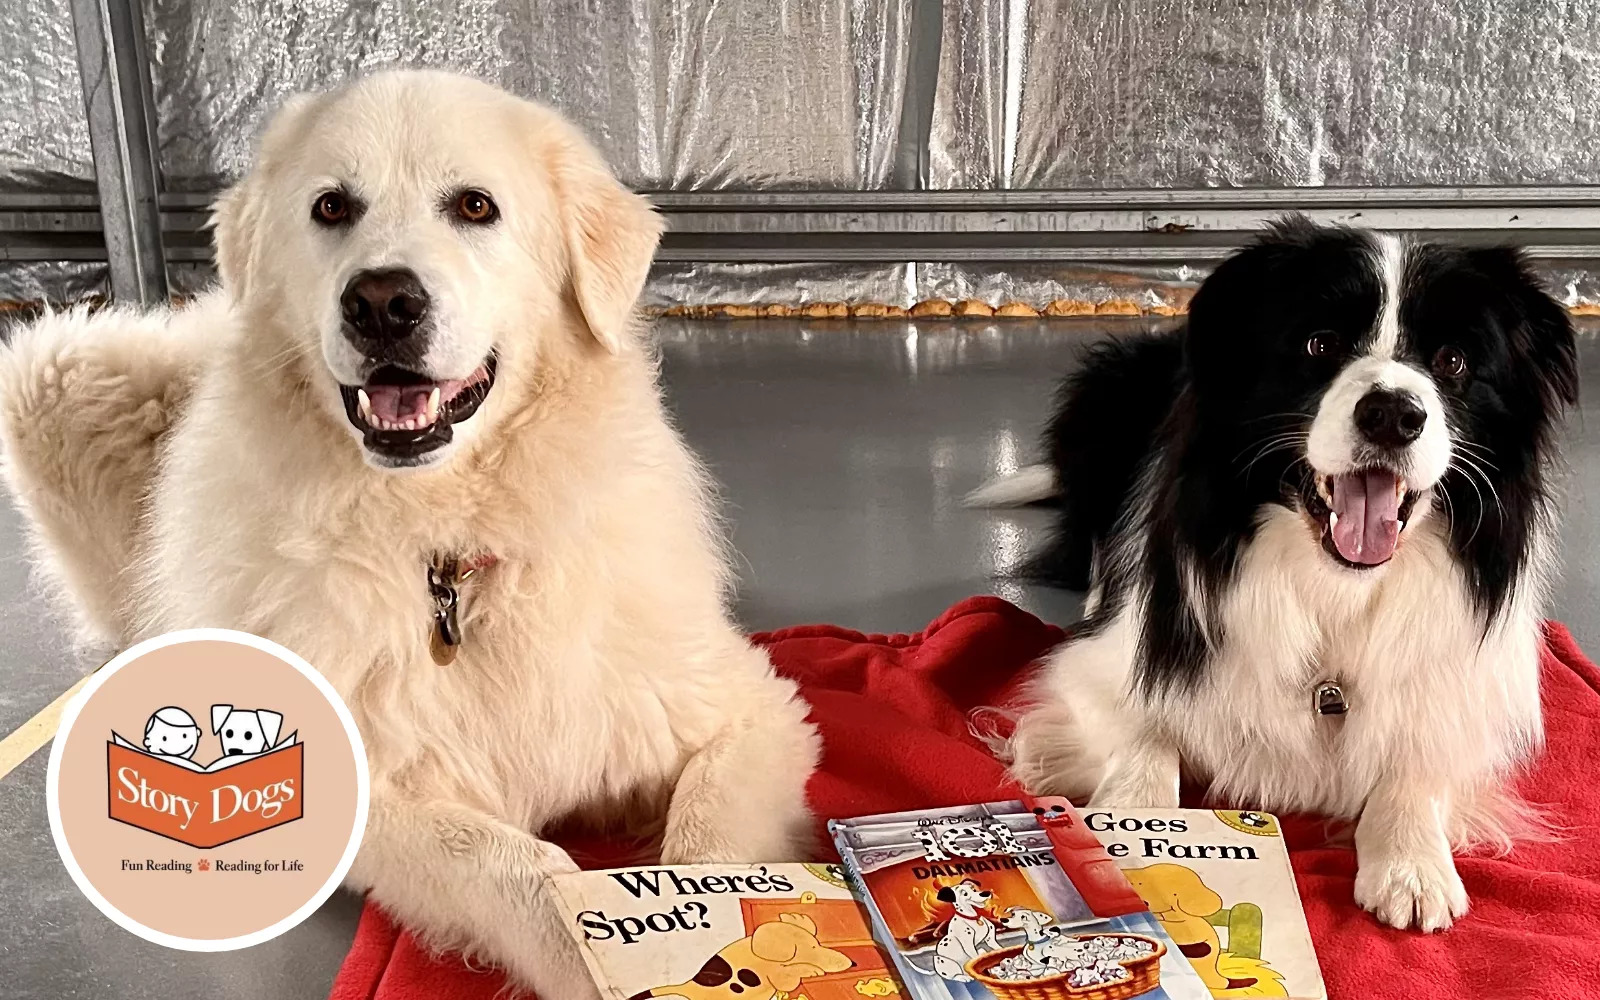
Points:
(36, 732)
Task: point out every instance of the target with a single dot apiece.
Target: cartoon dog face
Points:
(245, 731)
(1182, 902)
(1020, 918)
(171, 732)
(966, 896)
(772, 960)
(1174, 889)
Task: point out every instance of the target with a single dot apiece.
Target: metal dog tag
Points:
(443, 585)
(1330, 700)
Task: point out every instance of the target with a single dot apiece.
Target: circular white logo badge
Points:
(207, 789)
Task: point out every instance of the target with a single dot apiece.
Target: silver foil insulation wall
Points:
(717, 95)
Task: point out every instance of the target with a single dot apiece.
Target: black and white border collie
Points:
(1321, 525)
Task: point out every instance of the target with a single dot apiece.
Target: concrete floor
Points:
(844, 450)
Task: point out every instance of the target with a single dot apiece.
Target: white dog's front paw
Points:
(689, 842)
(1421, 892)
(1137, 788)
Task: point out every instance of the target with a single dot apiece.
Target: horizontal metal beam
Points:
(1129, 226)
(1276, 199)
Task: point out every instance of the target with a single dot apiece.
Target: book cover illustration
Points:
(1014, 899)
(255, 785)
(724, 932)
(1221, 885)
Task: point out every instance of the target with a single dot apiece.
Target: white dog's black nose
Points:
(383, 305)
(1390, 418)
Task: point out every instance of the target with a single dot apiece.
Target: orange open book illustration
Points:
(235, 796)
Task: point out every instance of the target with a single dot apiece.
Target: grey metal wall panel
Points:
(684, 94)
(1178, 93)
(44, 136)
(1149, 287)
(57, 283)
(777, 284)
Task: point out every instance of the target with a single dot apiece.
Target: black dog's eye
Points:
(249, 736)
(331, 208)
(476, 207)
(1449, 363)
(229, 734)
(1323, 344)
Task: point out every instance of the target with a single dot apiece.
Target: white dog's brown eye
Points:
(1322, 344)
(476, 207)
(331, 208)
(1449, 363)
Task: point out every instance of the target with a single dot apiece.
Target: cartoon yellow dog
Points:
(770, 962)
(1189, 912)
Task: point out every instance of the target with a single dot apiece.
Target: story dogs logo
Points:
(161, 789)
(207, 789)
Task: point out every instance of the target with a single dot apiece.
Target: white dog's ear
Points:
(219, 715)
(271, 722)
(235, 218)
(236, 215)
(611, 236)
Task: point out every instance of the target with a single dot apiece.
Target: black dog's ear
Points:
(1543, 332)
(947, 895)
(1256, 292)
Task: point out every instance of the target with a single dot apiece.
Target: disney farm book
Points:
(724, 932)
(1016, 900)
(1220, 883)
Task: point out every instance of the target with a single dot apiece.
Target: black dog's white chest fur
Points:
(1337, 471)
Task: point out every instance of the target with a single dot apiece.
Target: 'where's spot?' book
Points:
(1017, 900)
(724, 932)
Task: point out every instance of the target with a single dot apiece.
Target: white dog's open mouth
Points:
(402, 414)
(1361, 514)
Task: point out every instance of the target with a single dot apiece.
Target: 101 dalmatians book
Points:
(1017, 900)
(724, 932)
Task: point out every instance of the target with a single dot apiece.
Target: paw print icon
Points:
(203, 865)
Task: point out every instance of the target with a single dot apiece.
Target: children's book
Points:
(1016, 900)
(205, 805)
(729, 932)
(1221, 885)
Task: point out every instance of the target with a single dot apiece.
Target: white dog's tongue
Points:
(1366, 516)
(395, 403)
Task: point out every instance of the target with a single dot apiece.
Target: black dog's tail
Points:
(1106, 416)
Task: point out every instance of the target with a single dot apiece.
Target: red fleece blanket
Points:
(892, 710)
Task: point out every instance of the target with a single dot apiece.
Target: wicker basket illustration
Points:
(1144, 976)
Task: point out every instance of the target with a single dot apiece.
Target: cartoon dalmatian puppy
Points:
(968, 934)
(245, 731)
(1042, 934)
(172, 732)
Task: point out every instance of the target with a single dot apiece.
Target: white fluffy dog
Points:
(424, 273)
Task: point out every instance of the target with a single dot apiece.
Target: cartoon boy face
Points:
(171, 732)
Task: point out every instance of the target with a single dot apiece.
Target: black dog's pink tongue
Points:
(1366, 516)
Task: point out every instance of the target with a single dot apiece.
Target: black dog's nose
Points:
(1390, 418)
(385, 304)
